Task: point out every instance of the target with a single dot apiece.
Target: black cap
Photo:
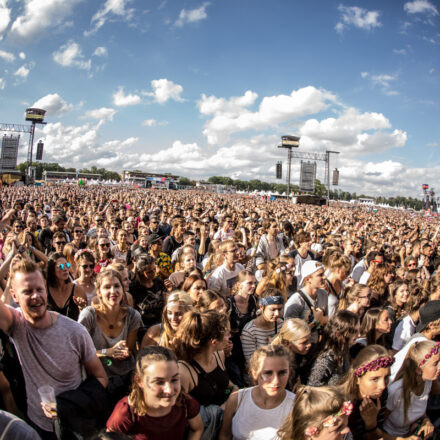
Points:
(430, 312)
(153, 238)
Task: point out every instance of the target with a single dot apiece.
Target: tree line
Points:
(241, 185)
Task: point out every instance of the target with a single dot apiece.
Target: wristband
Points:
(104, 351)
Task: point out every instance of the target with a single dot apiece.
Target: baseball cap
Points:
(310, 267)
(430, 312)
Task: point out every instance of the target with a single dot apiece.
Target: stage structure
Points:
(35, 116)
(324, 157)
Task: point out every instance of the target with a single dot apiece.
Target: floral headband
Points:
(330, 421)
(83, 251)
(433, 352)
(383, 362)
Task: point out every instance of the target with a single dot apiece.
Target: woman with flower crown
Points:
(319, 413)
(366, 386)
(408, 394)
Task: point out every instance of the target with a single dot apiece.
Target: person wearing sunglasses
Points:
(374, 259)
(104, 253)
(59, 241)
(63, 296)
(85, 263)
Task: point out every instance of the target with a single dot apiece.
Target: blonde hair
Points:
(312, 405)
(408, 370)
(108, 273)
(292, 330)
(182, 299)
(265, 351)
(349, 296)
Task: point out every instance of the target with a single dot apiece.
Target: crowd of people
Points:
(173, 315)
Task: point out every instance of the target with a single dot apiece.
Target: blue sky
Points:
(207, 88)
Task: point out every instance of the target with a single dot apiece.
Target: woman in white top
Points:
(408, 394)
(85, 263)
(257, 413)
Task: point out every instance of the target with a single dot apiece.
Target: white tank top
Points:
(250, 422)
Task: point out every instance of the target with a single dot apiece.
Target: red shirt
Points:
(169, 427)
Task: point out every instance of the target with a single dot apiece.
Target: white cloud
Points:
(154, 123)
(22, 55)
(420, 7)
(164, 90)
(7, 56)
(122, 100)
(192, 15)
(357, 17)
(70, 55)
(39, 15)
(53, 104)
(399, 51)
(2, 84)
(101, 114)
(100, 52)
(22, 72)
(5, 16)
(110, 9)
(233, 116)
(383, 81)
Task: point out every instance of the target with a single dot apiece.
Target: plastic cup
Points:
(47, 396)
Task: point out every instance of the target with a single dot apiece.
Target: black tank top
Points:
(211, 388)
(70, 309)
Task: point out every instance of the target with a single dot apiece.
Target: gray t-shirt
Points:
(133, 321)
(17, 429)
(50, 356)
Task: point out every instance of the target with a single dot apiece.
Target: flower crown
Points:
(433, 352)
(383, 362)
(330, 421)
(83, 251)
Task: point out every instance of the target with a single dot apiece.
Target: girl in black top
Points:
(365, 385)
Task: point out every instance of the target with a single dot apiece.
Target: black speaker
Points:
(40, 147)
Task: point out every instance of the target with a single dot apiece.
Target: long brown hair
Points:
(349, 384)
(196, 330)
(409, 371)
(145, 358)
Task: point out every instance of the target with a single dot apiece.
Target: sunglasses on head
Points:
(62, 266)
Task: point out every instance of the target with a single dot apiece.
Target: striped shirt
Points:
(253, 337)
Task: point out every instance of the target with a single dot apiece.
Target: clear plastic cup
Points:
(47, 396)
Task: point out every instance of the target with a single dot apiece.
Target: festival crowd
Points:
(129, 313)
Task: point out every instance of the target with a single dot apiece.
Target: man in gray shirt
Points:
(52, 348)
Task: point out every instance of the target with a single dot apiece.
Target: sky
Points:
(208, 88)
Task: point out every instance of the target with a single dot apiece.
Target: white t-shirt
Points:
(223, 279)
(250, 422)
(364, 278)
(395, 423)
(404, 330)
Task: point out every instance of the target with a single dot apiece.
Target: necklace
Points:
(112, 325)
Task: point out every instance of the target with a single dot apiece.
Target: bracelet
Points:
(371, 429)
(104, 351)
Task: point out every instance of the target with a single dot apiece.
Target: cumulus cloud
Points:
(70, 55)
(121, 99)
(192, 15)
(100, 52)
(39, 15)
(234, 116)
(5, 17)
(357, 17)
(7, 56)
(53, 104)
(22, 56)
(164, 90)
(102, 114)
(110, 10)
(420, 7)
